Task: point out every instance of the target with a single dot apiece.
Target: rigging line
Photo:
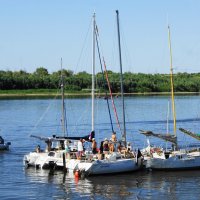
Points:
(111, 95)
(83, 46)
(81, 118)
(126, 52)
(104, 85)
(98, 118)
(113, 104)
(40, 119)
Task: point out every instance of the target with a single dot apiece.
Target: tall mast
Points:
(63, 101)
(121, 79)
(93, 69)
(172, 83)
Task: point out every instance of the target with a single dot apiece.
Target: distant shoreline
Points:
(81, 94)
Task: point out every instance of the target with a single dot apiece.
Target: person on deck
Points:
(94, 146)
(101, 154)
(67, 149)
(121, 149)
(83, 142)
(49, 145)
(80, 148)
(105, 146)
(38, 150)
(128, 152)
(114, 137)
(111, 146)
(114, 140)
(129, 148)
(91, 136)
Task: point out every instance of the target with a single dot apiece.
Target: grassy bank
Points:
(40, 93)
(53, 93)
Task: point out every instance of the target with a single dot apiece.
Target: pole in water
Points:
(64, 163)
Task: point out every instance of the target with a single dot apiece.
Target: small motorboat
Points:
(3, 145)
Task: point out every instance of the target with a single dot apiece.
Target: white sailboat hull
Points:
(174, 163)
(109, 167)
(43, 160)
(111, 164)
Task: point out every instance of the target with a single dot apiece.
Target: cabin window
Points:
(180, 156)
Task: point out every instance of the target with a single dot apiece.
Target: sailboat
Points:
(113, 162)
(53, 157)
(91, 165)
(176, 158)
(47, 158)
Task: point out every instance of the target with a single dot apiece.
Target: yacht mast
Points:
(63, 101)
(172, 83)
(93, 69)
(121, 79)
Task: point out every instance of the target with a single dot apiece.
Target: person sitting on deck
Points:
(128, 152)
(121, 148)
(111, 146)
(114, 137)
(101, 154)
(128, 148)
(105, 146)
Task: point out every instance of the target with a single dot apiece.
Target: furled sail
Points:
(194, 135)
(167, 137)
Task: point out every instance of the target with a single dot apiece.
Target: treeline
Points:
(133, 82)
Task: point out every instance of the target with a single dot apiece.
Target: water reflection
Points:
(139, 185)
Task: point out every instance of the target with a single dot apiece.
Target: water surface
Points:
(21, 117)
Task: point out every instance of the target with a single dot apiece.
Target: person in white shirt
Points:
(80, 148)
(67, 149)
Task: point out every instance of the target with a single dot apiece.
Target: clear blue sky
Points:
(36, 33)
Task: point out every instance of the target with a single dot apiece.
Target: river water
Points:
(21, 117)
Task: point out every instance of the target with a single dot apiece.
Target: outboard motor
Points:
(167, 155)
(52, 167)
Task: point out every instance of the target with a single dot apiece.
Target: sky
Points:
(37, 33)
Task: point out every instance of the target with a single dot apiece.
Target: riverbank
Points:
(40, 93)
(54, 93)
